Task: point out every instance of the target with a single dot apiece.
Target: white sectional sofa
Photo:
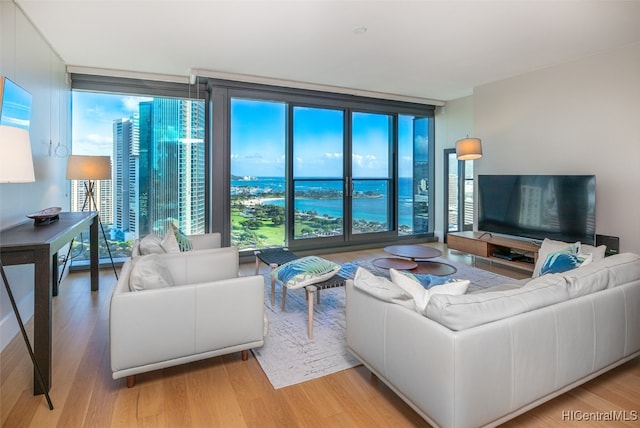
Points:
(481, 359)
(206, 311)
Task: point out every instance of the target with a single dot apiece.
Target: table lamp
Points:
(16, 166)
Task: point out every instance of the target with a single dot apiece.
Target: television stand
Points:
(511, 252)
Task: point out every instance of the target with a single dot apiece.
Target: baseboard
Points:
(9, 324)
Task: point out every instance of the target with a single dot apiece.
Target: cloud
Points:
(93, 144)
(333, 155)
(365, 161)
(130, 104)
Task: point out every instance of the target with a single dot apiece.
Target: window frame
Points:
(217, 94)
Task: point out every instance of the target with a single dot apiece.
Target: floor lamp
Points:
(16, 166)
(90, 169)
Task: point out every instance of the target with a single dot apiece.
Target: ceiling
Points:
(438, 50)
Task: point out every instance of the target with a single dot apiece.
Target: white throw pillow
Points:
(588, 260)
(170, 243)
(550, 246)
(380, 287)
(597, 252)
(149, 272)
(150, 244)
(422, 295)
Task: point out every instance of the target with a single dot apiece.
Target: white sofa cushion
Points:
(469, 310)
(597, 253)
(170, 243)
(151, 244)
(422, 295)
(381, 288)
(148, 273)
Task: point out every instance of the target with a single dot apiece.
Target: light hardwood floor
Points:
(228, 392)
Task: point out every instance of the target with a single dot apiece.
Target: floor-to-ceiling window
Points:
(257, 181)
(157, 149)
(317, 159)
(308, 171)
(458, 193)
(415, 171)
(371, 178)
(265, 166)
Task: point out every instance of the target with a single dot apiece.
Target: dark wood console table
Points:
(490, 247)
(25, 244)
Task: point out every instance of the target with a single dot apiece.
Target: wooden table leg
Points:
(42, 320)
(273, 284)
(257, 261)
(284, 297)
(310, 291)
(93, 254)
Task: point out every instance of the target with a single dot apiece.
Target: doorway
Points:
(458, 193)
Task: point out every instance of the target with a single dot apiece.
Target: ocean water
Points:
(369, 209)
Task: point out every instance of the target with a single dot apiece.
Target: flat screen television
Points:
(559, 207)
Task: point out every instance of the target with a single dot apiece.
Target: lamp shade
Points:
(16, 163)
(469, 149)
(89, 167)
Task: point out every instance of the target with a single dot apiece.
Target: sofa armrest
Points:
(151, 325)
(157, 325)
(229, 312)
(406, 350)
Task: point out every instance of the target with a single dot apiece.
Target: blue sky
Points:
(93, 116)
(258, 136)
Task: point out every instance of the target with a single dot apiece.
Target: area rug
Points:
(289, 357)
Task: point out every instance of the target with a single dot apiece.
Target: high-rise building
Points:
(102, 195)
(171, 165)
(125, 156)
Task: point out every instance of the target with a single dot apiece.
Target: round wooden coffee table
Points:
(419, 254)
(394, 263)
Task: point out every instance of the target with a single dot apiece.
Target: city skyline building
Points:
(126, 135)
(158, 159)
(171, 165)
(102, 194)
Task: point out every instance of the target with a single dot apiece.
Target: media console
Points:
(512, 252)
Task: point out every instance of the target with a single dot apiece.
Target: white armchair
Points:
(208, 311)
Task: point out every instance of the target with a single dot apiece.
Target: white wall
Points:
(577, 118)
(27, 59)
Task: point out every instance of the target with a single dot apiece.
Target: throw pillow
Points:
(184, 242)
(150, 244)
(170, 243)
(381, 288)
(305, 271)
(561, 261)
(149, 272)
(422, 295)
(549, 246)
(597, 252)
